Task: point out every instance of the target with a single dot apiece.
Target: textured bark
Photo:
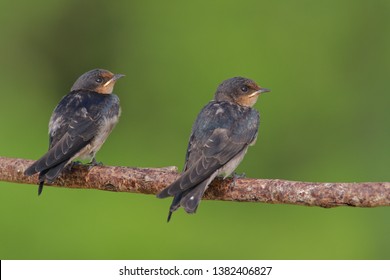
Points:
(153, 180)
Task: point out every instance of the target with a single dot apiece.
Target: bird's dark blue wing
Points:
(221, 131)
(73, 124)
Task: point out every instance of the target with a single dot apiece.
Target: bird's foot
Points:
(95, 163)
(73, 164)
(236, 176)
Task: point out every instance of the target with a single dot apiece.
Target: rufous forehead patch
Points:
(106, 75)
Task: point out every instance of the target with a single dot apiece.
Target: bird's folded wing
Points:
(218, 150)
(78, 135)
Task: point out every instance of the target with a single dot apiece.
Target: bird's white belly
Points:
(89, 151)
(232, 164)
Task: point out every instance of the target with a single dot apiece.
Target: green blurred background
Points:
(327, 119)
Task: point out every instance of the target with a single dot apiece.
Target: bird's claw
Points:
(74, 163)
(236, 176)
(95, 163)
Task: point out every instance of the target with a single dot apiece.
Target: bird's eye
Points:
(244, 88)
(99, 80)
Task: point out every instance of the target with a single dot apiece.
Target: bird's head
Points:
(239, 90)
(97, 80)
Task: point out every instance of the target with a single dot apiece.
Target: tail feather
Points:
(31, 170)
(175, 205)
(54, 172)
(169, 216)
(49, 175)
(163, 194)
(40, 187)
(188, 199)
(187, 180)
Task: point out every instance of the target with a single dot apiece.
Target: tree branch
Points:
(153, 180)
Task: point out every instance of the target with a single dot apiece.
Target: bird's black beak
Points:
(117, 76)
(257, 92)
(263, 90)
(113, 79)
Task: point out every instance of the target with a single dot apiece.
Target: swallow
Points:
(79, 124)
(220, 137)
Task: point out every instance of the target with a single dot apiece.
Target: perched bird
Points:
(79, 124)
(220, 137)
